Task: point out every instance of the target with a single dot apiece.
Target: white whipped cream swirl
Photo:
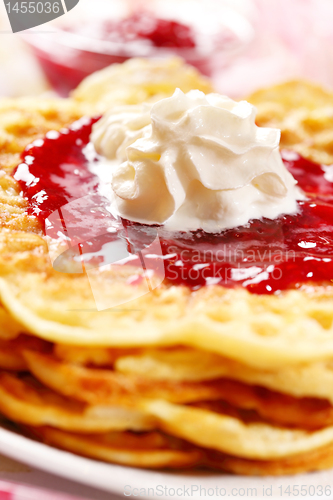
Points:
(195, 161)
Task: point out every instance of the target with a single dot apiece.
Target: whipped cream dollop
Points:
(194, 161)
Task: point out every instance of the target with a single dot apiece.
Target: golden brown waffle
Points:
(304, 113)
(138, 80)
(215, 378)
(21, 122)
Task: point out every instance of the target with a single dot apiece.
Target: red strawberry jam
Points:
(264, 256)
(145, 26)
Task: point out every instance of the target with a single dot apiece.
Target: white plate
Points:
(119, 480)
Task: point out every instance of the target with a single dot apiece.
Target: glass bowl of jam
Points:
(205, 34)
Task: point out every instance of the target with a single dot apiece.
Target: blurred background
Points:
(241, 44)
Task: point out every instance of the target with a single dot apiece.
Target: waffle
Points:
(216, 378)
(304, 113)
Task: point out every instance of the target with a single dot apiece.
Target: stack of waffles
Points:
(175, 378)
